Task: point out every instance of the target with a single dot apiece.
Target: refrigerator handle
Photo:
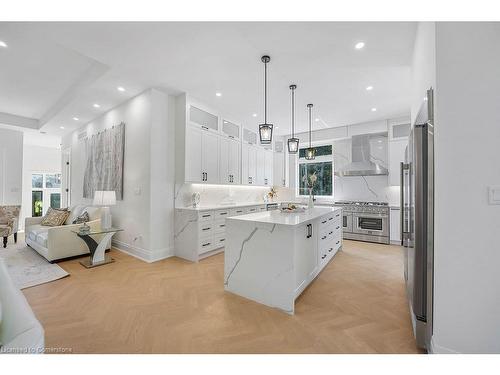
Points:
(403, 167)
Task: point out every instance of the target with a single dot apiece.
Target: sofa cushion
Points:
(34, 230)
(41, 238)
(75, 211)
(55, 218)
(94, 212)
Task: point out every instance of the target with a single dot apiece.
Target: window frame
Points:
(318, 159)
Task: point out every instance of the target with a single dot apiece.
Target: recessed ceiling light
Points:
(76, 118)
(3, 44)
(61, 127)
(316, 119)
(374, 109)
(119, 88)
(359, 45)
(218, 94)
(97, 105)
(254, 115)
(369, 88)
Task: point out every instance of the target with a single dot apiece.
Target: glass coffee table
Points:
(98, 256)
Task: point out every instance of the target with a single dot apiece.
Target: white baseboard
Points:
(143, 254)
(438, 349)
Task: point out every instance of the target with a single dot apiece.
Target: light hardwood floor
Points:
(356, 305)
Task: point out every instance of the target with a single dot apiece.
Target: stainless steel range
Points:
(365, 221)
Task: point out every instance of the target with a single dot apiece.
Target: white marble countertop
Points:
(232, 205)
(281, 218)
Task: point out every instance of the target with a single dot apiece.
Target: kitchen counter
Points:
(289, 218)
(270, 257)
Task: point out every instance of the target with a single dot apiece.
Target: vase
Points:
(311, 199)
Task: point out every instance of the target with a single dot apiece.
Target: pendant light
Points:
(265, 129)
(293, 143)
(311, 151)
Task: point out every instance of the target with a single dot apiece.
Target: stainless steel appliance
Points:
(365, 221)
(417, 221)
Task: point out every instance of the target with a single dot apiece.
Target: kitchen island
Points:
(271, 256)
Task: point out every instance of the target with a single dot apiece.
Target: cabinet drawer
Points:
(251, 210)
(205, 229)
(220, 240)
(221, 214)
(220, 226)
(206, 216)
(206, 244)
(237, 211)
(262, 208)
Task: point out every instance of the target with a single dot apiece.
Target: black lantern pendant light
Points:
(293, 143)
(265, 129)
(311, 151)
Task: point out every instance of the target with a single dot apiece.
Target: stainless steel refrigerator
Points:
(417, 221)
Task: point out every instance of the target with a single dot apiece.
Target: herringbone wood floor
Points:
(356, 305)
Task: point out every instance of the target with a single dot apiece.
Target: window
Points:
(321, 166)
(45, 192)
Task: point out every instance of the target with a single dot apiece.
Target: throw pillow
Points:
(55, 218)
(83, 218)
(76, 211)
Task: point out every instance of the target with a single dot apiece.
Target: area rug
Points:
(27, 268)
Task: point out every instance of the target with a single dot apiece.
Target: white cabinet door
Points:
(306, 255)
(252, 164)
(395, 225)
(261, 165)
(210, 157)
(245, 174)
(193, 168)
(224, 174)
(268, 168)
(234, 161)
(396, 156)
(279, 169)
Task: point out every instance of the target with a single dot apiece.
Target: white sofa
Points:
(20, 331)
(55, 243)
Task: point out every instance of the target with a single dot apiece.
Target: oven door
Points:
(371, 224)
(347, 222)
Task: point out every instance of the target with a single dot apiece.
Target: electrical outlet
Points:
(494, 194)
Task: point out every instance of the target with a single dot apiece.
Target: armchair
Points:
(9, 222)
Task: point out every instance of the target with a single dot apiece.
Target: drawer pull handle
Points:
(330, 249)
(204, 127)
(223, 213)
(206, 228)
(330, 218)
(206, 216)
(337, 242)
(324, 237)
(239, 212)
(338, 228)
(330, 232)
(323, 222)
(206, 244)
(222, 240)
(337, 215)
(323, 257)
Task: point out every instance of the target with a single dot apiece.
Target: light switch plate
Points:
(494, 194)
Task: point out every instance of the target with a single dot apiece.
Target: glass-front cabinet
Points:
(205, 120)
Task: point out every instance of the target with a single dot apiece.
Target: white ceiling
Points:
(55, 71)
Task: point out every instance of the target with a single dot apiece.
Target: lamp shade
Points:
(105, 198)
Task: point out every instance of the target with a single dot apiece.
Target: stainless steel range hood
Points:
(362, 163)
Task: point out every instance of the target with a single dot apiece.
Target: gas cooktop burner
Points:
(356, 203)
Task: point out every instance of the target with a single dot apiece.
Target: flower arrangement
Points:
(310, 180)
(272, 193)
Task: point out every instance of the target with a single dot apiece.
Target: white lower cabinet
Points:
(199, 234)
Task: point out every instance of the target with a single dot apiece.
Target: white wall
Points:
(146, 211)
(467, 134)
(11, 167)
(36, 159)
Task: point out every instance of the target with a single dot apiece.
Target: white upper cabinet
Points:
(229, 161)
(268, 168)
(279, 177)
(231, 130)
(399, 128)
(203, 119)
(261, 164)
(396, 156)
(201, 156)
(252, 165)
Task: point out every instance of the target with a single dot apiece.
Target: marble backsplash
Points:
(225, 194)
(365, 188)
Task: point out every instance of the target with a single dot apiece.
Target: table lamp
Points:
(105, 199)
